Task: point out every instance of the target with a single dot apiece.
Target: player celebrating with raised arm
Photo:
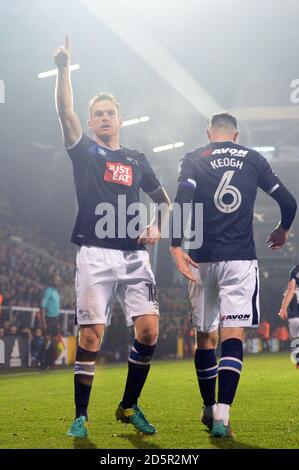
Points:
(109, 267)
(224, 288)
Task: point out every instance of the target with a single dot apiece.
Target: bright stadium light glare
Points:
(131, 122)
(264, 149)
(144, 119)
(266, 152)
(178, 144)
(51, 73)
(125, 23)
(162, 148)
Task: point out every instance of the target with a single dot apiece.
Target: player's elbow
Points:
(292, 290)
(166, 198)
(65, 115)
(288, 207)
(160, 197)
(293, 205)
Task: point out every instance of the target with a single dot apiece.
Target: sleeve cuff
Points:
(154, 191)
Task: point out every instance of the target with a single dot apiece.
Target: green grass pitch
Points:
(37, 408)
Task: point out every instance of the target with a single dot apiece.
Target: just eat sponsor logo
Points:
(118, 173)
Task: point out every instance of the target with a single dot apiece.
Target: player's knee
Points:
(207, 340)
(228, 333)
(148, 336)
(89, 340)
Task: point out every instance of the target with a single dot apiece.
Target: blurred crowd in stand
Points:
(28, 260)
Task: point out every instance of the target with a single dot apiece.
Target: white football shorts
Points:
(226, 295)
(105, 275)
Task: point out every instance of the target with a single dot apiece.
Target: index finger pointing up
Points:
(67, 43)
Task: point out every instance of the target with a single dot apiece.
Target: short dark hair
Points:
(104, 96)
(223, 119)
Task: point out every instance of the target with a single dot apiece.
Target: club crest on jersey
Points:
(118, 173)
(234, 152)
(102, 152)
(132, 160)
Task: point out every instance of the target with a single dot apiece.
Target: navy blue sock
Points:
(229, 369)
(138, 369)
(83, 378)
(206, 370)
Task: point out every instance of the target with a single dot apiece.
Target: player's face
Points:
(105, 121)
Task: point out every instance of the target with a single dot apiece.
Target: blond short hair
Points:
(104, 96)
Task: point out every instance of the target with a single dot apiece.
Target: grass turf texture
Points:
(37, 408)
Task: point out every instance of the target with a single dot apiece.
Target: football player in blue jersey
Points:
(290, 304)
(223, 272)
(111, 264)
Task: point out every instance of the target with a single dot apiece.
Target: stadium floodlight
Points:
(51, 73)
(264, 149)
(162, 148)
(178, 144)
(131, 122)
